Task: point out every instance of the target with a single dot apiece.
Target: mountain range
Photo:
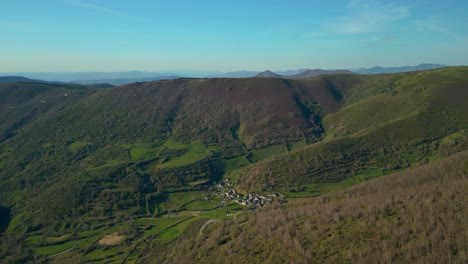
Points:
(120, 78)
(302, 74)
(243, 170)
(377, 70)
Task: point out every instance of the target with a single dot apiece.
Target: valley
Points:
(180, 168)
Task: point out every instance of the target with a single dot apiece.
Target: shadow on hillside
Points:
(4, 218)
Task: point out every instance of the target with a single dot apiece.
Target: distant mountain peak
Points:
(268, 74)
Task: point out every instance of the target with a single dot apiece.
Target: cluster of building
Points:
(252, 199)
(222, 185)
(255, 200)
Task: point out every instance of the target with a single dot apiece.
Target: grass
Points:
(298, 144)
(54, 249)
(260, 154)
(90, 233)
(143, 153)
(202, 205)
(454, 138)
(220, 213)
(370, 112)
(194, 152)
(16, 224)
(77, 145)
(108, 164)
(176, 200)
(102, 254)
(92, 236)
(157, 225)
(320, 188)
(214, 148)
(173, 232)
(412, 157)
(59, 239)
(34, 240)
(235, 163)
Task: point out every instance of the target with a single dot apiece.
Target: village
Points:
(228, 193)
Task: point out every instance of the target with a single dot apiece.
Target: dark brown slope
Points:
(256, 111)
(253, 112)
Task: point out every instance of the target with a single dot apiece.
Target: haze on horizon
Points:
(108, 35)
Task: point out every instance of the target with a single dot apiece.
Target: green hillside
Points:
(82, 166)
(405, 114)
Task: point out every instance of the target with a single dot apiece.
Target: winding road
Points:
(66, 251)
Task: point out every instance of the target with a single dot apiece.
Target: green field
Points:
(176, 200)
(193, 152)
(143, 151)
(202, 205)
(235, 163)
(54, 249)
(77, 145)
(412, 158)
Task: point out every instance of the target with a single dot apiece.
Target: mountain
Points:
(302, 74)
(177, 169)
(123, 81)
(290, 72)
(16, 79)
(378, 70)
(236, 74)
(140, 76)
(268, 74)
(83, 76)
(316, 72)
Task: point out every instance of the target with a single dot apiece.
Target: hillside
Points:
(386, 126)
(408, 217)
(80, 163)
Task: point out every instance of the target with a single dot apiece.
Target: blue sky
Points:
(154, 35)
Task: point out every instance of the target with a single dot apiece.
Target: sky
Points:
(228, 35)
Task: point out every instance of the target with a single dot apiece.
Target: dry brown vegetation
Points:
(112, 240)
(418, 216)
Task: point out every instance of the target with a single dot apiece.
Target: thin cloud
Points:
(366, 17)
(391, 37)
(101, 9)
(437, 27)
